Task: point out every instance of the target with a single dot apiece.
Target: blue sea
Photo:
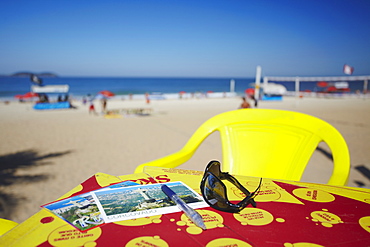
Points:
(81, 86)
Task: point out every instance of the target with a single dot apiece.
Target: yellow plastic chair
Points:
(266, 143)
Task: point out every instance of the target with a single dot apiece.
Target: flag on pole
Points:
(36, 80)
(348, 70)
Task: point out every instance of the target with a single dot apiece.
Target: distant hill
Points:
(28, 74)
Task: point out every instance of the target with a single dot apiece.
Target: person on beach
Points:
(147, 98)
(255, 101)
(92, 108)
(104, 105)
(244, 104)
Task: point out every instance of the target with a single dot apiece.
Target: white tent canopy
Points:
(50, 89)
(341, 80)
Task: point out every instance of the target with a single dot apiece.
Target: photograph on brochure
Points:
(82, 211)
(122, 201)
(143, 201)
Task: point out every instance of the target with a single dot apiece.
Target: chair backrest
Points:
(268, 143)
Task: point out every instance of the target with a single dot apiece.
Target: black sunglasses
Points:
(214, 190)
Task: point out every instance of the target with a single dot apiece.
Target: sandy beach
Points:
(44, 154)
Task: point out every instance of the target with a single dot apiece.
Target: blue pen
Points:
(193, 215)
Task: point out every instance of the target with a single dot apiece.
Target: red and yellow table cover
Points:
(288, 214)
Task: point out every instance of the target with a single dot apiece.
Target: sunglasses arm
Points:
(250, 196)
(231, 179)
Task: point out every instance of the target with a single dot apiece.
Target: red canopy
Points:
(249, 91)
(18, 96)
(29, 95)
(106, 93)
(322, 84)
(331, 89)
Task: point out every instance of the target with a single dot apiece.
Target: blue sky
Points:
(185, 38)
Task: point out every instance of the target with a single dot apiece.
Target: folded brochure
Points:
(122, 201)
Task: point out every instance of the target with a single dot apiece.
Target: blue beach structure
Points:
(45, 91)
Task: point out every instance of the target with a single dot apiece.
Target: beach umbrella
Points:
(30, 95)
(322, 84)
(249, 91)
(18, 96)
(331, 89)
(106, 93)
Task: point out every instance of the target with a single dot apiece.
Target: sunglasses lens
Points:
(214, 192)
(214, 167)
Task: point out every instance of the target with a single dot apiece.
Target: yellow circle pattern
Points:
(254, 217)
(147, 241)
(365, 223)
(227, 242)
(313, 195)
(327, 219)
(62, 236)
